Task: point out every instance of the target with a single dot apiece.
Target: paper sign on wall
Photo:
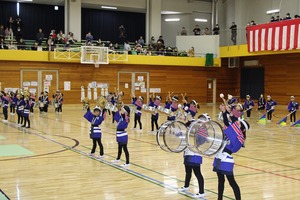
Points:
(143, 90)
(126, 85)
(46, 89)
(47, 83)
(32, 90)
(140, 78)
(26, 83)
(49, 77)
(67, 85)
(34, 83)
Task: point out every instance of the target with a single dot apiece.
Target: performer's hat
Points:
(141, 98)
(97, 108)
(248, 96)
(194, 102)
(57, 90)
(175, 98)
(158, 97)
(127, 109)
(269, 96)
(204, 117)
(229, 96)
(292, 97)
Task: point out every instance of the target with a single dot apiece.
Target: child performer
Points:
(248, 105)
(138, 102)
(172, 104)
(27, 106)
(5, 102)
(293, 106)
(95, 118)
(13, 100)
(192, 162)
(235, 134)
(261, 102)
(270, 106)
(58, 100)
(32, 99)
(122, 118)
(154, 114)
(190, 110)
(20, 109)
(231, 101)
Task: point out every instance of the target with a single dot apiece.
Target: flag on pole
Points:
(296, 124)
(262, 120)
(282, 122)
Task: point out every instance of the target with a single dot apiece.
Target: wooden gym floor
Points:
(50, 161)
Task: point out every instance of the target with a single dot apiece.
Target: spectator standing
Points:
(183, 31)
(40, 36)
(233, 28)
(18, 26)
(216, 30)
(197, 30)
(10, 26)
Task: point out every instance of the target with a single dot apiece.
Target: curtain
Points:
(252, 82)
(105, 24)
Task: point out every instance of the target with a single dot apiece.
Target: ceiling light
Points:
(200, 20)
(172, 20)
(273, 11)
(109, 7)
(55, 7)
(169, 12)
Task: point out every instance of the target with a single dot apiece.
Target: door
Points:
(37, 81)
(211, 91)
(134, 83)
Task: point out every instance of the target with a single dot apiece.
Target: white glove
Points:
(186, 108)
(221, 95)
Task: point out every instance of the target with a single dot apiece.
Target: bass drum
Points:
(171, 136)
(205, 137)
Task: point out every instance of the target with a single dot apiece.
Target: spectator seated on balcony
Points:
(50, 43)
(161, 40)
(153, 42)
(53, 36)
(296, 16)
(2, 44)
(61, 37)
(169, 51)
(12, 46)
(278, 19)
(2, 32)
(272, 19)
(141, 41)
(252, 23)
(139, 48)
(35, 46)
(127, 47)
(71, 38)
(116, 46)
(21, 44)
(89, 39)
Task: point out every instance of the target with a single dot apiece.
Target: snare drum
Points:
(41, 105)
(145, 107)
(151, 109)
(205, 137)
(171, 136)
(108, 106)
(56, 105)
(160, 109)
(167, 111)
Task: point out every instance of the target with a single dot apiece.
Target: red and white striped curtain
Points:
(274, 36)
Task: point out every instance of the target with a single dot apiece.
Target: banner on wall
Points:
(67, 85)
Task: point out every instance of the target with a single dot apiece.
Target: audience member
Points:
(197, 30)
(288, 16)
(278, 19)
(71, 38)
(89, 39)
(61, 37)
(2, 32)
(2, 44)
(161, 40)
(296, 16)
(35, 46)
(216, 30)
(21, 44)
(11, 46)
(127, 47)
(18, 26)
(272, 19)
(233, 28)
(10, 26)
(183, 31)
(116, 46)
(206, 31)
(40, 36)
(252, 23)
(141, 41)
(50, 43)
(153, 42)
